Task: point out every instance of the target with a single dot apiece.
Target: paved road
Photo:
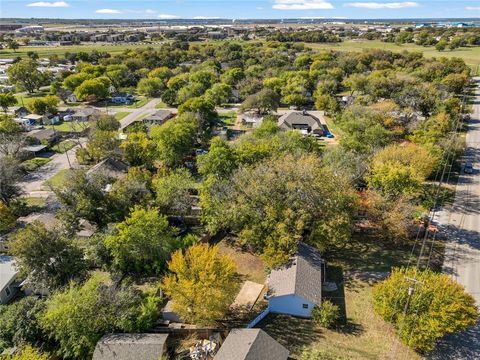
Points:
(461, 224)
(147, 109)
(32, 183)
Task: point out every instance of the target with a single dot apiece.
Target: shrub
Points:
(326, 315)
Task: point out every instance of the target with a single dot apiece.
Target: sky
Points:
(238, 9)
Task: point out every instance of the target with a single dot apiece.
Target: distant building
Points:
(48, 135)
(8, 278)
(159, 117)
(131, 346)
(123, 98)
(251, 344)
(86, 114)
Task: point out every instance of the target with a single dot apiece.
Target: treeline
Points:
(313, 36)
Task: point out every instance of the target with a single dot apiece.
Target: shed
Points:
(131, 346)
(8, 276)
(251, 344)
(296, 288)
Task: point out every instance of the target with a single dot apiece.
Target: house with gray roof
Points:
(296, 288)
(159, 117)
(251, 344)
(307, 123)
(8, 279)
(131, 346)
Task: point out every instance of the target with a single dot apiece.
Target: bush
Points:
(326, 315)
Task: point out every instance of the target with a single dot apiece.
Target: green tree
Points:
(151, 87)
(6, 100)
(97, 88)
(438, 306)
(44, 105)
(29, 353)
(172, 191)
(278, 202)
(201, 284)
(7, 218)
(79, 316)
(139, 150)
(327, 314)
(141, 243)
(46, 257)
(73, 81)
(220, 161)
(10, 175)
(175, 139)
(219, 93)
(19, 322)
(265, 101)
(26, 75)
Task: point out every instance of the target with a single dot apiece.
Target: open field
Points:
(471, 55)
(46, 51)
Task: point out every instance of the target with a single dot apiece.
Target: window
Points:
(305, 306)
(7, 291)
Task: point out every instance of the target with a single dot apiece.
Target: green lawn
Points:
(161, 105)
(121, 114)
(72, 126)
(471, 55)
(229, 118)
(24, 99)
(63, 146)
(58, 179)
(35, 163)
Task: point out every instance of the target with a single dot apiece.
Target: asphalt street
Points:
(460, 225)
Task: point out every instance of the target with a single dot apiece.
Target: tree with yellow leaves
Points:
(201, 284)
(29, 353)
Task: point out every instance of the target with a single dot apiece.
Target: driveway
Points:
(32, 183)
(461, 226)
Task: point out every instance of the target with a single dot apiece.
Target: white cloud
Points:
(205, 17)
(474, 8)
(167, 16)
(55, 4)
(376, 5)
(108, 11)
(150, 11)
(302, 5)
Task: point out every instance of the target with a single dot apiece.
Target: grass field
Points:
(71, 126)
(121, 114)
(471, 55)
(58, 179)
(35, 163)
(63, 146)
(46, 51)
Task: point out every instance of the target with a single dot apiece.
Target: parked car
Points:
(468, 168)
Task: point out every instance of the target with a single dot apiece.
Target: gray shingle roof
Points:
(302, 276)
(251, 344)
(7, 270)
(159, 115)
(130, 347)
(110, 167)
(299, 119)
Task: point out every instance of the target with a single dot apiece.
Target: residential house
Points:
(20, 111)
(159, 117)
(251, 119)
(110, 167)
(296, 288)
(50, 119)
(43, 136)
(307, 123)
(131, 346)
(8, 278)
(29, 121)
(85, 114)
(251, 344)
(123, 98)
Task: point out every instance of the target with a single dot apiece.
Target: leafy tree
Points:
(163, 73)
(73, 81)
(201, 284)
(173, 191)
(204, 111)
(97, 87)
(327, 314)
(142, 243)
(26, 75)
(456, 83)
(219, 93)
(80, 315)
(29, 353)
(326, 103)
(265, 101)
(11, 137)
(441, 45)
(278, 202)
(6, 100)
(44, 105)
(232, 76)
(139, 150)
(398, 170)
(438, 306)
(19, 322)
(46, 257)
(175, 139)
(220, 161)
(151, 87)
(10, 175)
(7, 218)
